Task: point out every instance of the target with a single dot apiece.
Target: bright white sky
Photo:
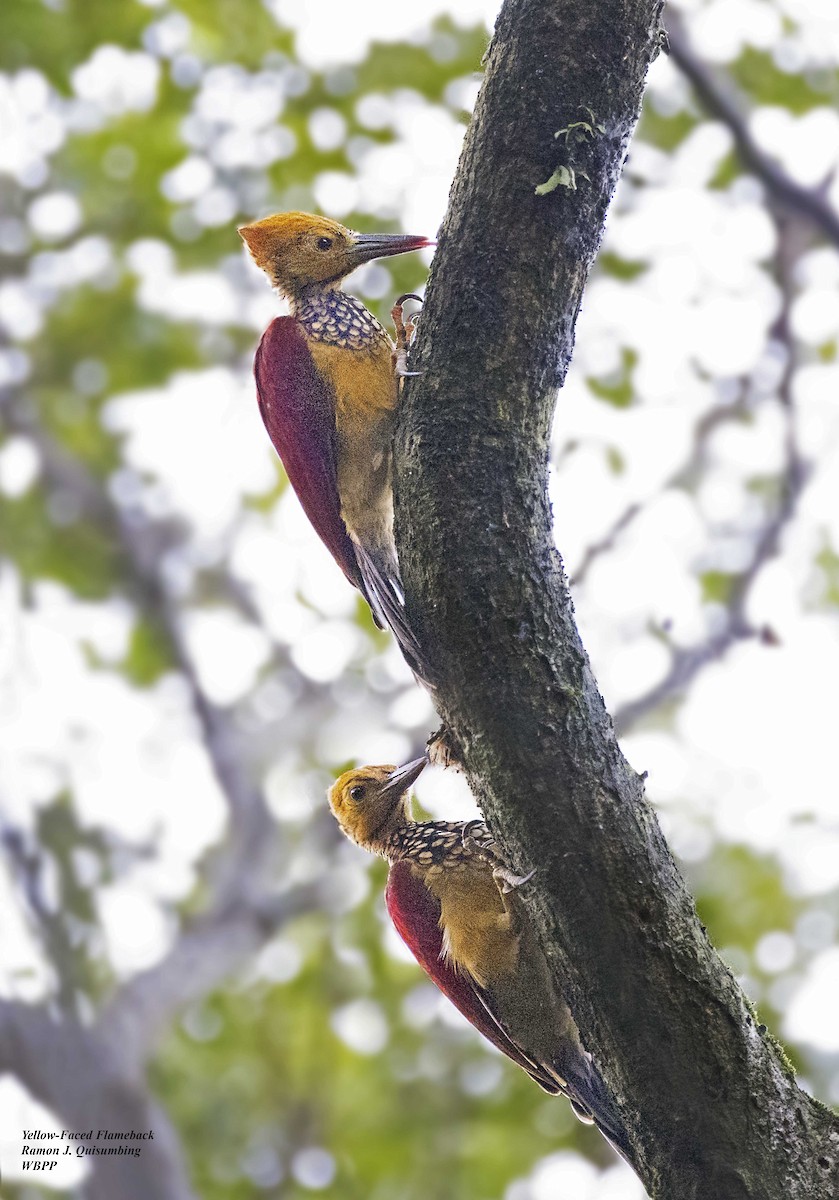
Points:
(750, 757)
(331, 33)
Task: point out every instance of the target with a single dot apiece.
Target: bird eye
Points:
(324, 243)
(357, 792)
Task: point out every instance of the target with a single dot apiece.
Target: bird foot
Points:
(508, 881)
(476, 838)
(400, 364)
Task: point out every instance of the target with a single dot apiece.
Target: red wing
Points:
(416, 913)
(299, 414)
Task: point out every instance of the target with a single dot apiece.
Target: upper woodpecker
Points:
(454, 903)
(328, 386)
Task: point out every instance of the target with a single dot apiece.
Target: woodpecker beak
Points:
(380, 245)
(398, 781)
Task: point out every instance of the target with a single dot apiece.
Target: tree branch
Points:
(688, 662)
(720, 102)
(94, 1075)
(705, 427)
(27, 863)
(91, 1082)
(711, 1107)
(144, 545)
(208, 951)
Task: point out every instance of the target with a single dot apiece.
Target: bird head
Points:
(371, 802)
(296, 249)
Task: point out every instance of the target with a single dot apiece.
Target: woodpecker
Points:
(454, 902)
(327, 378)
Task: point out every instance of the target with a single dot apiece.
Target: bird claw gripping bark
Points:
(405, 332)
(508, 880)
(477, 839)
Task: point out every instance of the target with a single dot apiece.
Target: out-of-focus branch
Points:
(719, 99)
(705, 427)
(251, 833)
(207, 952)
(27, 863)
(688, 662)
(91, 1081)
(606, 543)
(792, 205)
(95, 1074)
(234, 878)
(145, 545)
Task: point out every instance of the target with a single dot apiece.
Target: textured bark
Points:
(711, 1106)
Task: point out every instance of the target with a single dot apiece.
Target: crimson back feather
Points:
(299, 413)
(416, 914)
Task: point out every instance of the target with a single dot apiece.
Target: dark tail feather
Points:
(593, 1104)
(383, 589)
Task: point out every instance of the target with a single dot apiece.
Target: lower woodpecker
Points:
(454, 903)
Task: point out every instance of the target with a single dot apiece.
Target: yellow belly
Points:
(478, 934)
(365, 388)
(363, 381)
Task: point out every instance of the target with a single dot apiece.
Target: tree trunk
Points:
(710, 1103)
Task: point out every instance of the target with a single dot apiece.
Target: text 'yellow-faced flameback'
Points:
(455, 905)
(328, 391)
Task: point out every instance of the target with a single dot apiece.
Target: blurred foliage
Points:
(618, 390)
(257, 1073)
(397, 1123)
(768, 83)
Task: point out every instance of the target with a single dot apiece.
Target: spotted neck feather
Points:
(428, 843)
(331, 316)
